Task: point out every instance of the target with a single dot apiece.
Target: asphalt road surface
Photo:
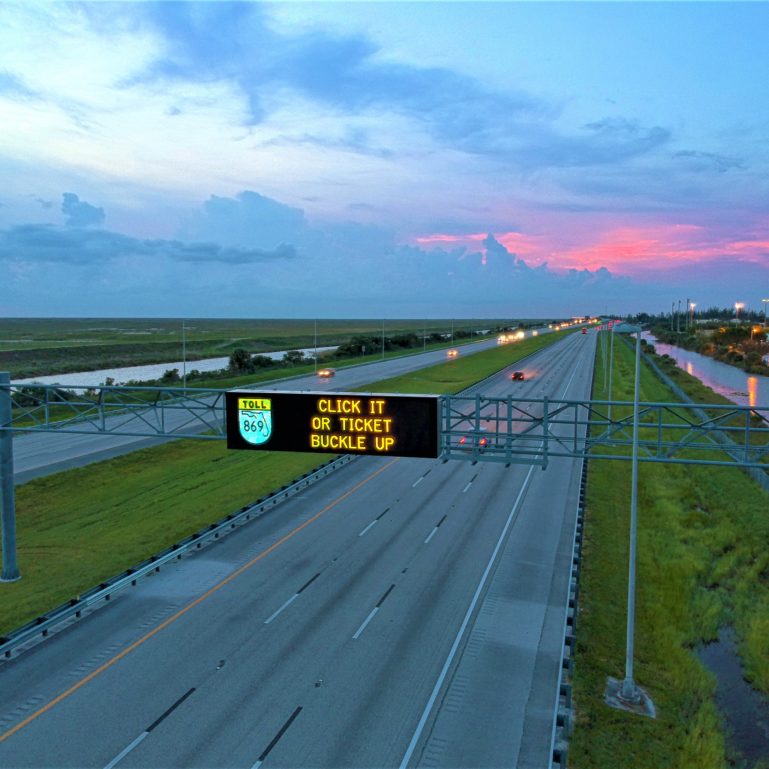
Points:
(398, 613)
(39, 454)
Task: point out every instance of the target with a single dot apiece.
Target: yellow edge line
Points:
(136, 644)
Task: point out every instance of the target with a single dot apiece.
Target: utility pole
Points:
(672, 315)
(382, 338)
(7, 491)
(184, 356)
(686, 322)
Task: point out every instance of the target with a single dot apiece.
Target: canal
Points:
(729, 381)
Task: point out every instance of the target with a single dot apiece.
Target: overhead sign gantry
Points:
(323, 422)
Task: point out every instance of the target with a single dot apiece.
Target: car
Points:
(474, 440)
(326, 373)
(518, 376)
(584, 331)
(452, 353)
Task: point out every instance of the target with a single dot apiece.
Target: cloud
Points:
(44, 203)
(693, 160)
(79, 213)
(32, 243)
(14, 86)
(248, 219)
(348, 75)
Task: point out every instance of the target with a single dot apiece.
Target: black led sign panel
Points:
(333, 423)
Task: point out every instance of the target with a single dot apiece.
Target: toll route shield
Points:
(255, 420)
(379, 424)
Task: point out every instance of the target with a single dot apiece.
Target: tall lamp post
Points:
(184, 355)
(692, 305)
(628, 694)
(765, 301)
(737, 307)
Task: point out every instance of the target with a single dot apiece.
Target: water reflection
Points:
(753, 390)
(726, 380)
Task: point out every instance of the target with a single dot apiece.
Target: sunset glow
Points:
(340, 155)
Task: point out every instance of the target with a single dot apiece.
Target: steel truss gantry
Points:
(476, 428)
(490, 429)
(535, 430)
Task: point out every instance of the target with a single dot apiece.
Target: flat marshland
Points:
(38, 346)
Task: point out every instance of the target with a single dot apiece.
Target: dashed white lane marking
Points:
(286, 604)
(365, 622)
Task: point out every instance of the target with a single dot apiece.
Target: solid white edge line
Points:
(465, 621)
(275, 614)
(365, 622)
(431, 535)
(367, 528)
(123, 753)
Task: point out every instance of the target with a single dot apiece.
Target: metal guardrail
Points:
(74, 609)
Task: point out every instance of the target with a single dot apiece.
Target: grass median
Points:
(702, 565)
(80, 527)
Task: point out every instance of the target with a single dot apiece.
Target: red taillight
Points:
(462, 440)
(483, 441)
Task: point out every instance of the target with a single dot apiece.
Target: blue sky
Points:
(382, 159)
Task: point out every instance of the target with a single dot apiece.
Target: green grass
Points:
(39, 346)
(702, 563)
(459, 373)
(77, 528)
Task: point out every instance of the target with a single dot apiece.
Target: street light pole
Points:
(611, 367)
(382, 338)
(315, 356)
(765, 301)
(629, 689)
(184, 355)
(628, 694)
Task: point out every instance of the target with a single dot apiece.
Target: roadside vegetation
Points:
(745, 345)
(80, 527)
(703, 564)
(40, 346)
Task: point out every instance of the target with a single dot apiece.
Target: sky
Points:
(382, 159)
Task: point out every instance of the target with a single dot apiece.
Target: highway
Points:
(398, 613)
(40, 454)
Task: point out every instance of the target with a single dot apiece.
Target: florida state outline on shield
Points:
(255, 419)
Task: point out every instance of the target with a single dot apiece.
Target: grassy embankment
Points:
(80, 527)
(702, 564)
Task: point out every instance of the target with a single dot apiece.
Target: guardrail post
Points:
(7, 492)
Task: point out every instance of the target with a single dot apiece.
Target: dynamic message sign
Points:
(335, 423)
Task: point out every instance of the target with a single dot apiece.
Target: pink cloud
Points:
(639, 251)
